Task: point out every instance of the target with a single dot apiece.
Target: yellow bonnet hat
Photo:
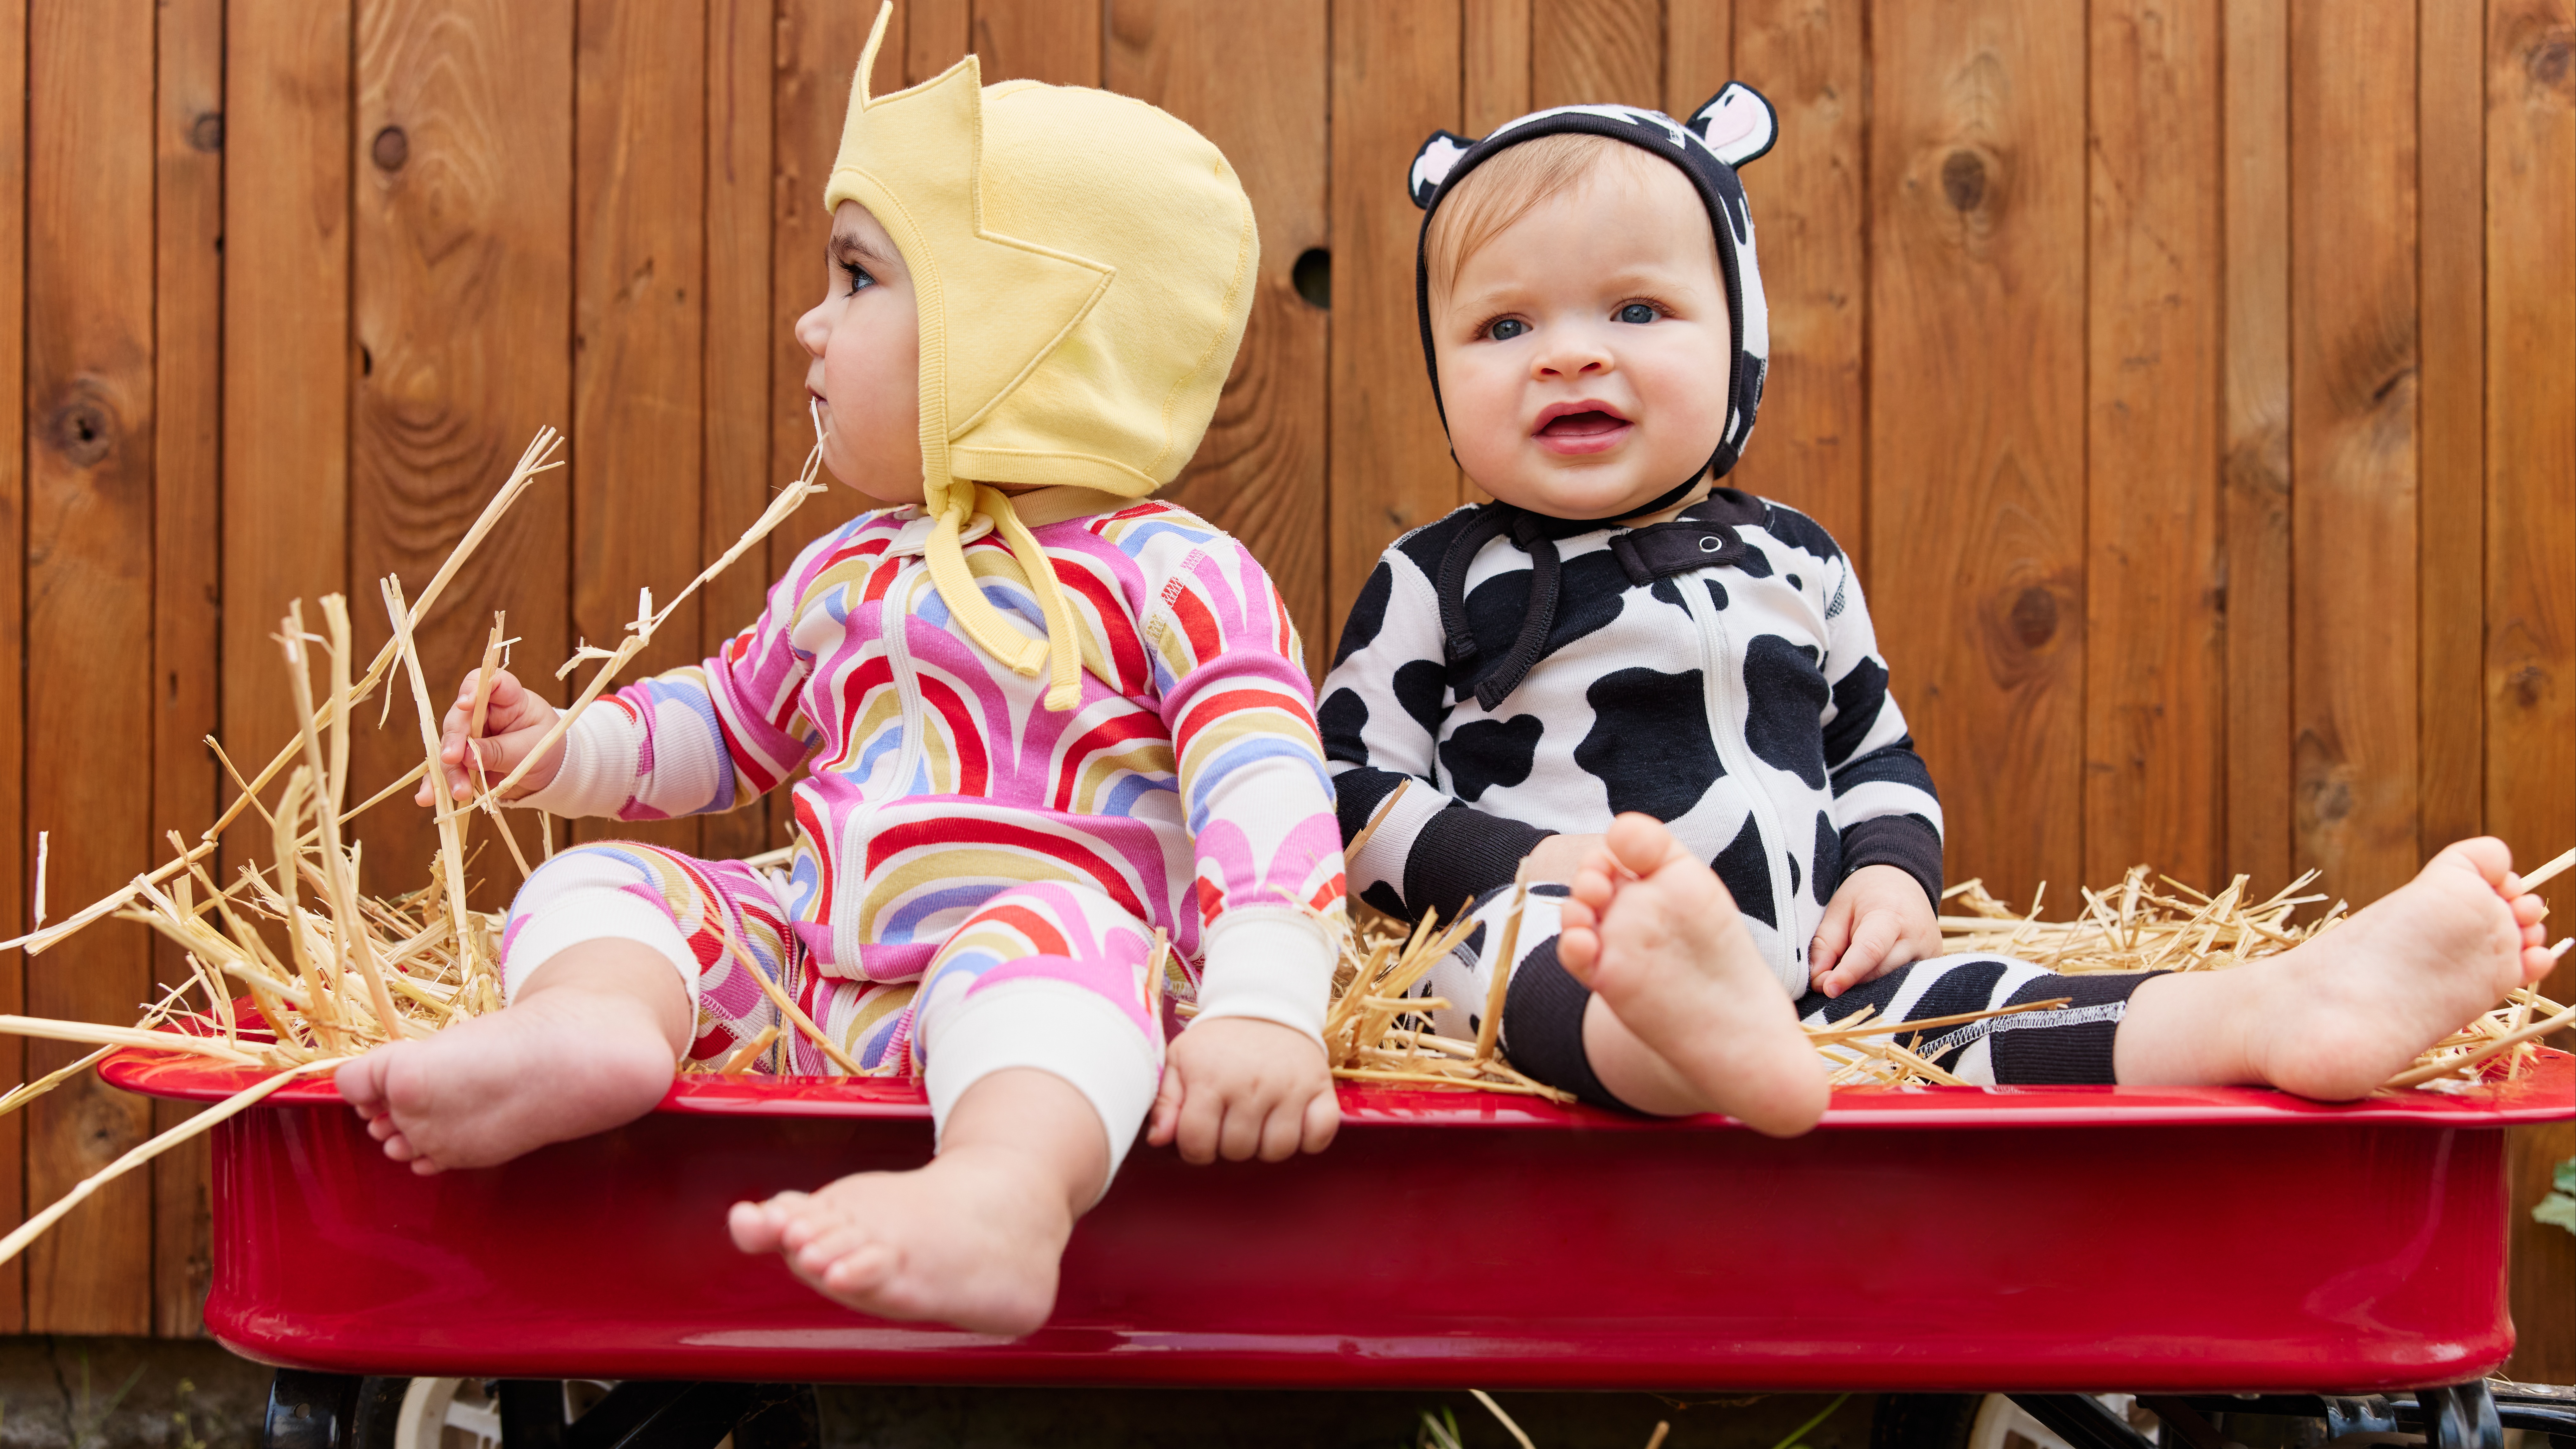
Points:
(1083, 264)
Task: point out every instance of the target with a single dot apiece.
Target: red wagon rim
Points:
(2545, 1091)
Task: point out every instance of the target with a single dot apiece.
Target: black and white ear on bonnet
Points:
(1736, 126)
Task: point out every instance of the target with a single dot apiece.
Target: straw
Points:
(206, 1121)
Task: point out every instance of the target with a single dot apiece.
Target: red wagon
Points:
(2046, 1241)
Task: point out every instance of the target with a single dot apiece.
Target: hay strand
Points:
(232, 1106)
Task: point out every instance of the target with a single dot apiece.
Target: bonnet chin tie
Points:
(1536, 534)
(1059, 652)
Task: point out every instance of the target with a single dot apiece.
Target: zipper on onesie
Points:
(1723, 684)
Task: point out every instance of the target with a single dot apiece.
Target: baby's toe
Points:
(863, 1270)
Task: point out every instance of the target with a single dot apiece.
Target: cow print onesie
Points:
(1505, 676)
(1717, 672)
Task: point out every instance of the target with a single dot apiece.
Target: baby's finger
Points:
(1866, 957)
(1240, 1137)
(1283, 1129)
(1166, 1117)
(1833, 934)
(1322, 1120)
(1202, 1117)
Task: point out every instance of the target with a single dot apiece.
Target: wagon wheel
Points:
(329, 1411)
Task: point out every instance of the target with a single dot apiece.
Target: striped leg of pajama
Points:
(1048, 975)
(1543, 1006)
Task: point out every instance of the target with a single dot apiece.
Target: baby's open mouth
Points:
(1591, 424)
(1581, 427)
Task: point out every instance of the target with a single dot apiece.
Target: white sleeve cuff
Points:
(598, 772)
(1268, 963)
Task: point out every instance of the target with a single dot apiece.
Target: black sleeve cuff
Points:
(1462, 853)
(1908, 842)
(1357, 793)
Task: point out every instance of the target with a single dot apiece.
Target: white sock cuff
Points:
(1057, 1027)
(600, 913)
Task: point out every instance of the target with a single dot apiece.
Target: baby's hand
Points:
(1238, 1088)
(1558, 857)
(1878, 921)
(514, 719)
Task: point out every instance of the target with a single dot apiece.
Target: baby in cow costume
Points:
(1660, 701)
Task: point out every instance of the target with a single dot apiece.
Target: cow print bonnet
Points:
(1736, 127)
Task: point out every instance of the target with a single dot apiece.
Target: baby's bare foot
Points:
(557, 1065)
(2349, 1009)
(1655, 935)
(972, 1239)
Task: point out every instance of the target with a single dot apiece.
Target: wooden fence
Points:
(2195, 380)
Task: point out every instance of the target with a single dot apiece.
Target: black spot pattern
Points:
(1383, 897)
(1590, 592)
(1796, 583)
(1784, 694)
(1797, 883)
(1746, 871)
(1799, 531)
(1485, 752)
(1368, 613)
(1857, 699)
(1664, 590)
(1717, 594)
(1828, 857)
(1342, 720)
(1422, 687)
(1649, 744)
(1755, 562)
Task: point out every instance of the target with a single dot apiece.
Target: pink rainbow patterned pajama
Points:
(975, 880)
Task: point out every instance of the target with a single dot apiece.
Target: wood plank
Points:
(2450, 101)
(639, 268)
(2542, 1258)
(462, 299)
(2154, 694)
(2353, 367)
(817, 50)
(13, 561)
(1976, 441)
(286, 309)
(1494, 80)
(935, 34)
(1809, 446)
(1260, 471)
(1396, 79)
(89, 619)
(739, 473)
(2255, 189)
(1056, 41)
(1495, 70)
(186, 549)
(1584, 52)
(2530, 554)
(1700, 48)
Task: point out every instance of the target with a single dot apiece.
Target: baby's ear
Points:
(1433, 163)
(1738, 124)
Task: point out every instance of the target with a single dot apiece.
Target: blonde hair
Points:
(1491, 198)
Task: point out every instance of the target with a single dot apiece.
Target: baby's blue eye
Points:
(1507, 329)
(858, 276)
(1638, 312)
